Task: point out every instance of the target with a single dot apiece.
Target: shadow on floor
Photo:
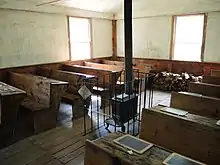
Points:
(24, 126)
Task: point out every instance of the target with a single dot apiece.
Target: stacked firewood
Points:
(174, 82)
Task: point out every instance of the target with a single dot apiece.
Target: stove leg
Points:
(123, 128)
(107, 125)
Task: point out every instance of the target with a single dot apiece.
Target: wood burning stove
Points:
(124, 108)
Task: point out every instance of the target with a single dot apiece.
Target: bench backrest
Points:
(142, 68)
(105, 77)
(196, 103)
(205, 89)
(112, 62)
(211, 80)
(215, 73)
(109, 67)
(75, 80)
(43, 90)
(192, 135)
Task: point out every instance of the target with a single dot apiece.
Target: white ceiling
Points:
(107, 6)
(111, 6)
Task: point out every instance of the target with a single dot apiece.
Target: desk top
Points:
(6, 89)
(155, 155)
(207, 122)
(79, 74)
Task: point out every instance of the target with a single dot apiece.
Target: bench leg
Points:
(44, 120)
(78, 108)
(9, 106)
(104, 100)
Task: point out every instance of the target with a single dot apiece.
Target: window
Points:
(80, 38)
(188, 37)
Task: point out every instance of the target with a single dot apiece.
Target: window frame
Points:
(173, 35)
(69, 40)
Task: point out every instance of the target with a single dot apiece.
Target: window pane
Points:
(192, 52)
(188, 38)
(79, 29)
(80, 38)
(80, 51)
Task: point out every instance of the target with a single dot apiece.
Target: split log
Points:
(174, 82)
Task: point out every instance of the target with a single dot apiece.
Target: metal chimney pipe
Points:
(128, 45)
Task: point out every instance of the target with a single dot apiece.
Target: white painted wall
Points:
(151, 8)
(33, 5)
(152, 27)
(101, 38)
(28, 38)
(212, 53)
(152, 37)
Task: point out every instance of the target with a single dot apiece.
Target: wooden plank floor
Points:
(63, 145)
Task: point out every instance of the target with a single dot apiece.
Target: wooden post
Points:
(114, 39)
(128, 44)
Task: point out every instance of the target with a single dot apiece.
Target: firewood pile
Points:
(167, 81)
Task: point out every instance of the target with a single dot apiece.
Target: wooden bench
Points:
(195, 136)
(139, 71)
(211, 80)
(118, 65)
(75, 80)
(196, 103)
(117, 68)
(10, 98)
(145, 68)
(215, 73)
(109, 62)
(109, 153)
(105, 79)
(205, 89)
(43, 98)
